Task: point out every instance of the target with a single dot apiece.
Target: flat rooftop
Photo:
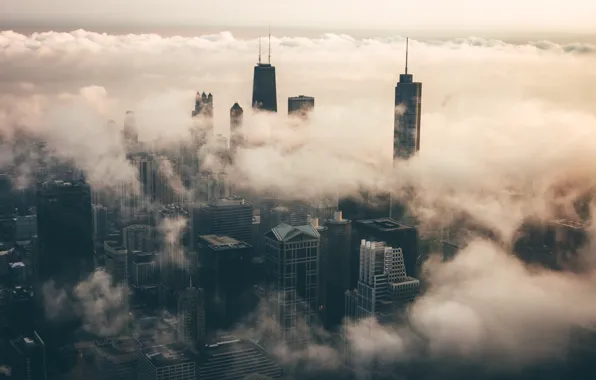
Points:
(168, 355)
(221, 242)
(229, 201)
(384, 224)
(569, 224)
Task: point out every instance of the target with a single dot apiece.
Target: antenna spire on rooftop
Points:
(259, 50)
(407, 44)
(269, 44)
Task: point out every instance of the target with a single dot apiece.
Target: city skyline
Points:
(501, 150)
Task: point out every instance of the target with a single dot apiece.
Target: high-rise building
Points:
(408, 103)
(191, 315)
(130, 132)
(391, 232)
(235, 359)
(116, 262)
(300, 105)
(203, 111)
(335, 269)
(383, 286)
(144, 269)
(167, 362)
(116, 359)
(135, 238)
(236, 134)
(264, 88)
(292, 257)
(100, 223)
(226, 217)
(225, 277)
(64, 225)
(28, 357)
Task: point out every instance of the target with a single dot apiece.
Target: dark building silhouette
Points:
(116, 359)
(28, 357)
(65, 232)
(335, 269)
(408, 103)
(203, 109)
(226, 279)
(203, 105)
(191, 315)
(300, 105)
(264, 88)
(236, 135)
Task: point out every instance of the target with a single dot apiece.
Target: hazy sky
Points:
(503, 15)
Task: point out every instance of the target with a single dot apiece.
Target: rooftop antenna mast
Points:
(259, 50)
(407, 44)
(269, 44)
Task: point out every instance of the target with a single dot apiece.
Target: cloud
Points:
(507, 135)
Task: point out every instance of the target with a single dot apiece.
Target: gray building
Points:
(166, 362)
(27, 357)
(191, 316)
(235, 359)
(236, 134)
(292, 260)
(116, 262)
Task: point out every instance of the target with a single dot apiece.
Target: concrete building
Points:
(292, 257)
(144, 269)
(167, 362)
(236, 133)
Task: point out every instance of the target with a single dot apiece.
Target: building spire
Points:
(407, 44)
(259, 50)
(269, 44)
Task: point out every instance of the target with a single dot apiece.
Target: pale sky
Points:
(502, 15)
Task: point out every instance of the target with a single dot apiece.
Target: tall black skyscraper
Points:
(408, 104)
(264, 89)
(300, 105)
(65, 232)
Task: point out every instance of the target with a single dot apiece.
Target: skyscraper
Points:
(264, 89)
(129, 132)
(64, 225)
(191, 315)
(227, 217)
(169, 362)
(335, 269)
(236, 135)
(300, 105)
(292, 256)
(407, 112)
(203, 109)
(27, 355)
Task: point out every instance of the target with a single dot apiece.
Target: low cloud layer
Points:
(507, 134)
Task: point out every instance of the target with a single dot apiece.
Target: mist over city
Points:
(297, 195)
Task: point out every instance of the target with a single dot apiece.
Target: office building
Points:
(191, 315)
(144, 269)
(391, 232)
(166, 362)
(235, 359)
(64, 226)
(408, 110)
(300, 105)
(335, 269)
(202, 131)
(225, 276)
(116, 262)
(236, 133)
(117, 359)
(25, 227)
(27, 356)
(130, 133)
(292, 257)
(226, 217)
(22, 311)
(264, 88)
(136, 237)
(100, 223)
